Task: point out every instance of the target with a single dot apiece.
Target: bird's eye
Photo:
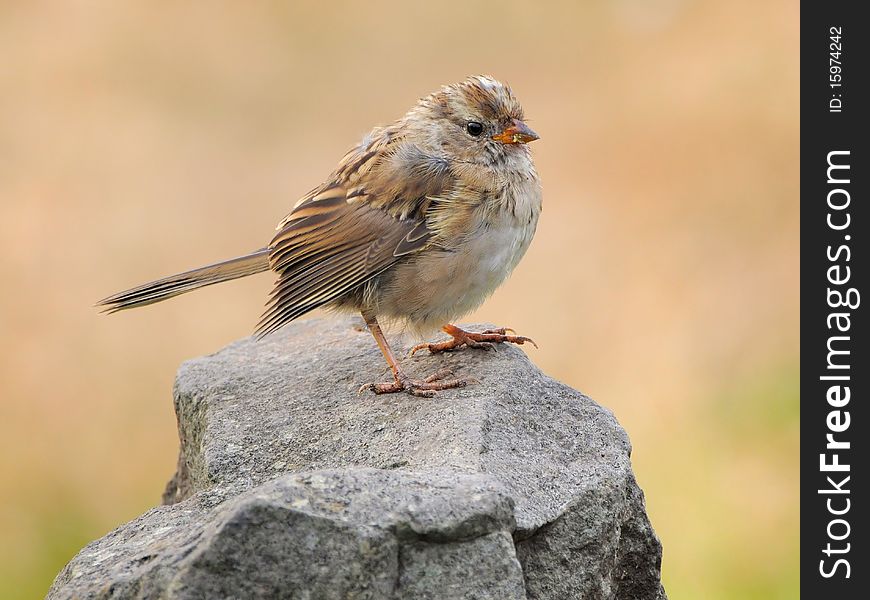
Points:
(474, 128)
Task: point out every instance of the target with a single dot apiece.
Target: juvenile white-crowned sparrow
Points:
(420, 222)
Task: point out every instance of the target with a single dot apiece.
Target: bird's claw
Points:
(485, 340)
(423, 388)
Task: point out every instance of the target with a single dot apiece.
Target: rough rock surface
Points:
(291, 485)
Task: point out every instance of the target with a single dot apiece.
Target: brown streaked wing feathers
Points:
(367, 216)
(414, 240)
(331, 248)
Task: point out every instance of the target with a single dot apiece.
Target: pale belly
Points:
(439, 287)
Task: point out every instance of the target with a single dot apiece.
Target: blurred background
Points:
(143, 138)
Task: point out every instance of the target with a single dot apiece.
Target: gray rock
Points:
(291, 485)
(360, 533)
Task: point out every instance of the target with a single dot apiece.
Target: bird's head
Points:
(477, 121)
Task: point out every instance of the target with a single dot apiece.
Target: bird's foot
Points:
(424, 388)
(484, 339)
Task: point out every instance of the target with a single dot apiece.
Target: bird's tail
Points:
(174, 285)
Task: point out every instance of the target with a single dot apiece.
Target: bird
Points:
(418, 224)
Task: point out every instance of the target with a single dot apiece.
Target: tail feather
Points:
(174, 285)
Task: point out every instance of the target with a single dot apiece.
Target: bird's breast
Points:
(439, 285)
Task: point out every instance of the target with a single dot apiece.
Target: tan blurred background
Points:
(143, 138)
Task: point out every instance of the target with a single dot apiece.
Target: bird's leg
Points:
(484, 339)
(401, 382)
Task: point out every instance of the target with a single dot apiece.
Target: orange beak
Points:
(516, 133)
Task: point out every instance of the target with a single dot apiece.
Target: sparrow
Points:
(418, 224)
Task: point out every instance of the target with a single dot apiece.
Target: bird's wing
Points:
(370, 213)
